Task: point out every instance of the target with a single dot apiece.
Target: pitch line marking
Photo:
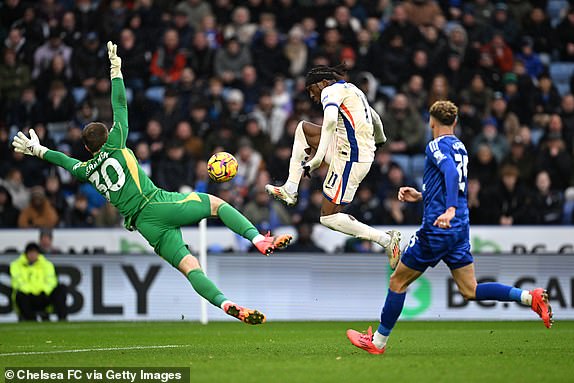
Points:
(91, 350)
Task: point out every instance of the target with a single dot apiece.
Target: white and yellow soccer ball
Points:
(222, 167)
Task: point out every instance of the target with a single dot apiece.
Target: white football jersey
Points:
(354, 135)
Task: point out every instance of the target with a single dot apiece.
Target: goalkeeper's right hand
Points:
(29, 146)
(115, 61)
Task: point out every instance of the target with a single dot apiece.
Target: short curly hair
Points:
(94, 136)
(444, 112)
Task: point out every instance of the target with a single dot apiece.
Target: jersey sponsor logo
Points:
(76, 166)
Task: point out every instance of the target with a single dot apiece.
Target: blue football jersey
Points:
(445, 182)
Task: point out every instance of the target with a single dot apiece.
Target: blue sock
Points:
(492, 291)
(391, 311)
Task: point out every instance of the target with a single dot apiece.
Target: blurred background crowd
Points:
(205, 76)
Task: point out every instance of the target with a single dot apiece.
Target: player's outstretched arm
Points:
(409, 194)
(32, 147)
(330, 116)
(119, 133)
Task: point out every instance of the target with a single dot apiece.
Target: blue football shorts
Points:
(427, 249)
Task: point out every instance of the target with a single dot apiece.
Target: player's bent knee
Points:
(215, 203)
(397, 284)
(188, 263)
(331, 221)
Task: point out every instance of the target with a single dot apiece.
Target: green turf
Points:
(307, 351)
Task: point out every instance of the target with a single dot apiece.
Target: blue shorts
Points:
(429, 248)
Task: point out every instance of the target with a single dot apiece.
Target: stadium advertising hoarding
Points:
(294, 287)
(487, 239)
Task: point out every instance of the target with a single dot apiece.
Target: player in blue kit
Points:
(444, 235)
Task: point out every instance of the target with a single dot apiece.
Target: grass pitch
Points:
(303, 351)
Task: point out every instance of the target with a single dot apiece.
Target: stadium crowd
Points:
(205, 76)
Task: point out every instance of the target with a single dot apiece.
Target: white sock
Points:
(526, 298)
(349, 225)
(298, 155)
(258, 238)
(380, 340)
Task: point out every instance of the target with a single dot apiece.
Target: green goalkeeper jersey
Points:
(114, 170)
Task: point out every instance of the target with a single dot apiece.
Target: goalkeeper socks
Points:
(504, 293)
(298, 155)
(236, 221)
(205, 287)
(391, 312)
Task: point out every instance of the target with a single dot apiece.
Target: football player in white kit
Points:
(346, 141)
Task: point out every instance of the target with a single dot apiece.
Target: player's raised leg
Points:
(307, 135)
(537, 299)
(376, 343)
(341, 183)
(189, 266)
(239, 224)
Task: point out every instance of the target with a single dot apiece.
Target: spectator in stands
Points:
(170, 112)
(510, 200)
(57, 71)
(180, 23)
(59, 105)
(347, 25)
(477, 202)
(192, 144)
(404, 127)
(46, 242)
(80, 214)
(479, 95)
(266, 213)
(537, 25)
(33, 28)
(8, 212)
(89, 61)
(483, 165)
(421, 12)
(331, 47)
(175, 170)
(230, 60)
(44, 55)
(366, 207)
(304, 242)
(250, 163)
(545, 99)
(71, 36)
(492, 138)
(39, 213)
(547, 203)
(240, 26)
(86, 16)
(504, 26)
(250, 87)
(506, 121)
(416, 93)
(168, 61)
(234, 114)
(500, 52)
(199, 119)
(134, 62)
(55, 195)
(530, 58)
(296, 51)
(554, 159)
(201, 56)
(14, 183)
(270, 118)
(279, 162)
(396, 212)
(260, 139)
(27, 111)
(567, 115)
(36, 287)
(14, 77)
(522, 159)
(196, 10)
(142, 153)
(564, 37)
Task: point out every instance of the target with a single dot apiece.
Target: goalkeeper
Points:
(157, 214)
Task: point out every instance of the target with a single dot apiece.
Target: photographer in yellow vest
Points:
(35, 286)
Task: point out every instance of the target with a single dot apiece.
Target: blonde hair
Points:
(444, 112)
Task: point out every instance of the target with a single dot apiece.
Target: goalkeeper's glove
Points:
(115, 61)
(29, 146)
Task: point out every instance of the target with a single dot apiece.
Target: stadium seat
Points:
(418, 165)
(561, 73)
(79, 94)
(155, 93)
(389, 91)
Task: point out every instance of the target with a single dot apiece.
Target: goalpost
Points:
(203, 319)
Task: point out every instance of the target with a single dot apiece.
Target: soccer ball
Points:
(222, 167)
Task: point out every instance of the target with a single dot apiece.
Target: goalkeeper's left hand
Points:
(311, 166)
(29, 146)
(115, 60)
